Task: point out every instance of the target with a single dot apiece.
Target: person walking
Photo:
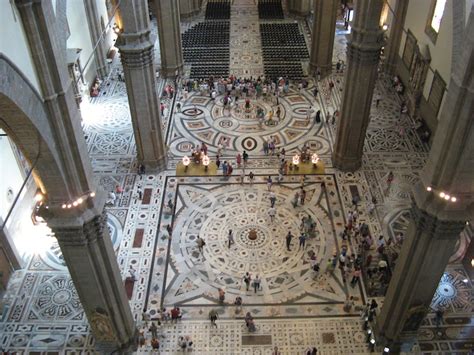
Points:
(272, 199)
(289, 237)
(272, 213)
(139, 192)
(302, 196)
(256, 283)
(317, 118)
(200, 243)
(230, 238)
(213, 317)
(247, 279)
(245, 157)
(221, 294)
(251, 177)
(269, 183)
(295, 200)
(302, 239)
(154, 330)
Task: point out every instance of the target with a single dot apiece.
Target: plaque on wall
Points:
(409, 49)
(438, 86)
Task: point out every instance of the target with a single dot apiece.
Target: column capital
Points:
(438, 228)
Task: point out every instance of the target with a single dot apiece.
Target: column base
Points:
(171, 72)
(325, 69)
(158, 164)
(299, 13)
(110, 347)
(346, 164)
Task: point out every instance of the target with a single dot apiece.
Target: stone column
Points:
(299, 7)
(81, 230)
(188, 8)
(396, 29)
(136, 47)
(363, 52)
(97, 39)
(322, 36)
(169, 33)
(84, 240)
(438, 219)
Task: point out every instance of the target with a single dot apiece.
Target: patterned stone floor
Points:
(296, 309)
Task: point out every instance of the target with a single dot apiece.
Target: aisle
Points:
(245, 44)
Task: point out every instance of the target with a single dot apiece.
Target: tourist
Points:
(145, 317)
(230, 169)
(132, 273)
(272, 199)
(439, 317)
(155, 344)
(141, 169)
(200, 243)
(317, 118)
(230, 238)
(276, 351)
(224, 168)
(355, 276)
(256, 283)
(295, 200)
(330, 266)
(221, 294)
(251, 177)
(238, 159)
(175, 314)
(312, 351)
(269, 182)
(139, 192)
(302, 196)
(265, 147)
(141, 339)
(348, 304)
(154, 330)
(213, 317)
(249, 322)
(238, 305)
(247, 278)
(289, 237)
(272, 213)
(302, 240)
(245, 156)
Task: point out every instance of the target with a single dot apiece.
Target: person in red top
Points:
(175, 314)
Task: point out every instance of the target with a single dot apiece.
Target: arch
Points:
(23, 117)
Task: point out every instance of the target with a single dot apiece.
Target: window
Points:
(434, 19)
(437, 15)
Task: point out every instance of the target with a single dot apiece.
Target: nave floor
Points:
(295, 309)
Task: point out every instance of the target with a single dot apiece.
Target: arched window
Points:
(434, 19)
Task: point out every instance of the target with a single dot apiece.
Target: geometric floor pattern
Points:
(295, 308)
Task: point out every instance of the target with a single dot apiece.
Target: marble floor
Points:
(295, 308)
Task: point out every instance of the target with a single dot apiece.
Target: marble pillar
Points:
(136, 47)
(363, 52)
(81, 230)
(395, 35)
(299, 7)
(169, 33)
(438, 220)
(188, 8)
(322, 36)
(97, 37)
(83, 237)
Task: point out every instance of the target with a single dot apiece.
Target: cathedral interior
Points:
(301, 170)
